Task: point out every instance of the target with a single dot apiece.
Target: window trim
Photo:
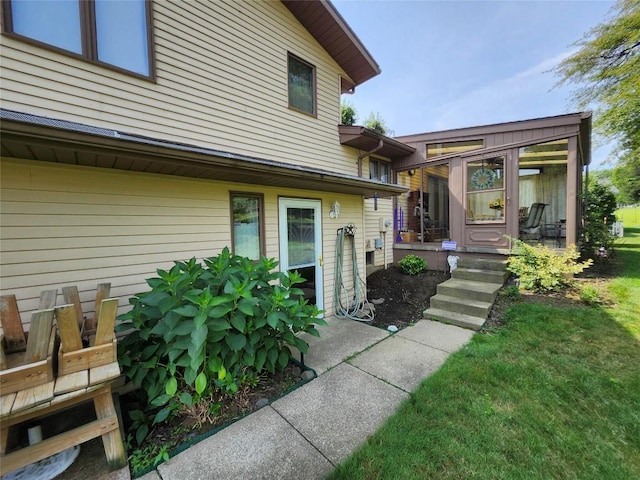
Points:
(261, 219)
(495, 190)
(379, 162)
(452, 141)
(313, 114)
(88, 38)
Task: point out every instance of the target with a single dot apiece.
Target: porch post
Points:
(573, 191)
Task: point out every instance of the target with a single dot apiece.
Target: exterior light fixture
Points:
(335, 210)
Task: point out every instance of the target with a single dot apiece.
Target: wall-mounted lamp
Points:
(335, 210)
(411, 172)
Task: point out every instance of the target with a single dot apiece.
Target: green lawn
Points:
(553, 395)
(630, 216)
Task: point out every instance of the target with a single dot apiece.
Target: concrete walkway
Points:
(364, 373)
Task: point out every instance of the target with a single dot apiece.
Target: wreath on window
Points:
(482, 178)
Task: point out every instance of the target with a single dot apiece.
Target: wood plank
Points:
(60, 442)
(33, 396)
(11, 324)
(68, 328)
(70, 362)
(58, 403)
(104, 373)
(4, 439)
(26, 376)
(6, 404)
(39, 335)
(71, 382)
(3, 356)
(106, 321)
(48, 299)
(112, 440)
(71, 296)
(102, 292)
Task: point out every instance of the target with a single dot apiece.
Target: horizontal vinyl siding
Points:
(372, 220)
(221, 83)
(72, 225)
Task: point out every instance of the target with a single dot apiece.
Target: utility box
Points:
(384, 224)
(378, 243)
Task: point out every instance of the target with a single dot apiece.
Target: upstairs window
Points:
(302, 85)
(112, 32)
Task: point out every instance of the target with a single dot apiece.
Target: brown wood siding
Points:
(221, 83)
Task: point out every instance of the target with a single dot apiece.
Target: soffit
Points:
(366, 139)
(327, 26)
(37, 138)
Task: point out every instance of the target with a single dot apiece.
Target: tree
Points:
(599, 214)
(348, 114)
(626, 178)
(606, 72)
(377, 123)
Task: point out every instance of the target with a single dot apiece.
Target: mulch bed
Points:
(406, 297)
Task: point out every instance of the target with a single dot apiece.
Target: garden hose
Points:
(350, 304)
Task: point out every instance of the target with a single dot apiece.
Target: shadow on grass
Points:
(553, 394)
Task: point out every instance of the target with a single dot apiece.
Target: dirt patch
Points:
(405, 296)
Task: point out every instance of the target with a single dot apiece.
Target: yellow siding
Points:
(221, 83)
(71, 225)
(372, 221)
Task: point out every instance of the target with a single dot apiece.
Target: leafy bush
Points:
(413, 265)
(512, 292)
(590, 295)
(541, 269)
(211, 327)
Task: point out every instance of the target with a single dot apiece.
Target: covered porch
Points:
(482, 186)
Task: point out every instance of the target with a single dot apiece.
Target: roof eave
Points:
(326, 25)
(366, 139)
(60, 139)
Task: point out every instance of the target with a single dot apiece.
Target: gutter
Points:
(366, 154)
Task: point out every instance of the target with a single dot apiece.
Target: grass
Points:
(555, 394)
(630, 216)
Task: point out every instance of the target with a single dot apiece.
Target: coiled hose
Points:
(353, 305)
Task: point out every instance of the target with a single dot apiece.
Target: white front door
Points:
(301, 244)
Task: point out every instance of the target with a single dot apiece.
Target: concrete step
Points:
(474, 308)
(482, 263)
(454, 318)
(482, 291)
(478, 275)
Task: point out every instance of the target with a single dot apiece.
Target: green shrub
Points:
(211, 327)
(541, 269)
(413, 265)
(589, 294)
(512, 292)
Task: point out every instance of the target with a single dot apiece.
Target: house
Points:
(481, 186)
(138, 133)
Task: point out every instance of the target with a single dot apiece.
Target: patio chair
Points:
(532, 226)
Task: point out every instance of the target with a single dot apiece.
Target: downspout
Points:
(366, 154)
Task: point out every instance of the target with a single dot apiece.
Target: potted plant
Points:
(498, 206)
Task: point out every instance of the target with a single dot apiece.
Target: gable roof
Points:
(328, 27)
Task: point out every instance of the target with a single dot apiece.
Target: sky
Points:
(453, 64)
